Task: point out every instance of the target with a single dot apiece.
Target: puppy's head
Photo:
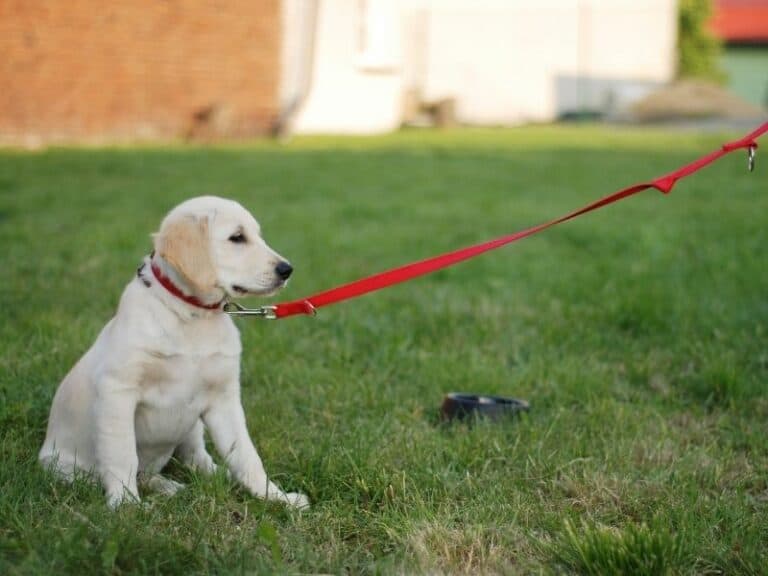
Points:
(216, 243)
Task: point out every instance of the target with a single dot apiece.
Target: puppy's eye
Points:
(238, 238)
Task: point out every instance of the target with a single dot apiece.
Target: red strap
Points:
(395, 276)
(168, 284)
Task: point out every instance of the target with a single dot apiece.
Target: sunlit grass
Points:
(638, 333)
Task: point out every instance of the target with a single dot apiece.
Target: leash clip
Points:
(751, 158)
(235, 309)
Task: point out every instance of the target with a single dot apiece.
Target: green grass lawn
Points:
(639, 334)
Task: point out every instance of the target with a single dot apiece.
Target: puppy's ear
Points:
(185, 244)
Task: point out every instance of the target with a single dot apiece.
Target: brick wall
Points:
(125, 69)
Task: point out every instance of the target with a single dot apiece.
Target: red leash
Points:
(363, 286)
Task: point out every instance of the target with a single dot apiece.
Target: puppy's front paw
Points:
(297, 500)
(115, 499)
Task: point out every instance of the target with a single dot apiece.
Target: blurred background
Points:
(88, 70)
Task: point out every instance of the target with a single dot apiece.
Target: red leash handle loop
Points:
(381, 280)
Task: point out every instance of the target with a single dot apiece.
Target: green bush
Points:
(698, 51)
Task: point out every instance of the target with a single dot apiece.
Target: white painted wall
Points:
(511, 61)
(356, 79)
(503, 61)
(296, 46)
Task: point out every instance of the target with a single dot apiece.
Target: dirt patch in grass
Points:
(692, 99)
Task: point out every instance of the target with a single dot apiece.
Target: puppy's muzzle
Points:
(284, 270)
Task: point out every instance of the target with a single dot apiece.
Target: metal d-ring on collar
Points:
(235, 309)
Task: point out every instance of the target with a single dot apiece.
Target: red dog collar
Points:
(173, 289)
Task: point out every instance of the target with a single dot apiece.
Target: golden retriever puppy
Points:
(167, 366)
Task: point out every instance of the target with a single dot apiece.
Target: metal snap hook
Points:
(751, 152)
(235, 309)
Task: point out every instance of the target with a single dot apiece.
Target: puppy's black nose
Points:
(284, 270)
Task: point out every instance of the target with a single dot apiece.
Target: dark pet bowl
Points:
(462, 406)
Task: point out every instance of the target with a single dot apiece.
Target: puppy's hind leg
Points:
(160, 484)
(151, 479)
(192, 451)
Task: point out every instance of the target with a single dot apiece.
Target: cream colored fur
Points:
(161, 371)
